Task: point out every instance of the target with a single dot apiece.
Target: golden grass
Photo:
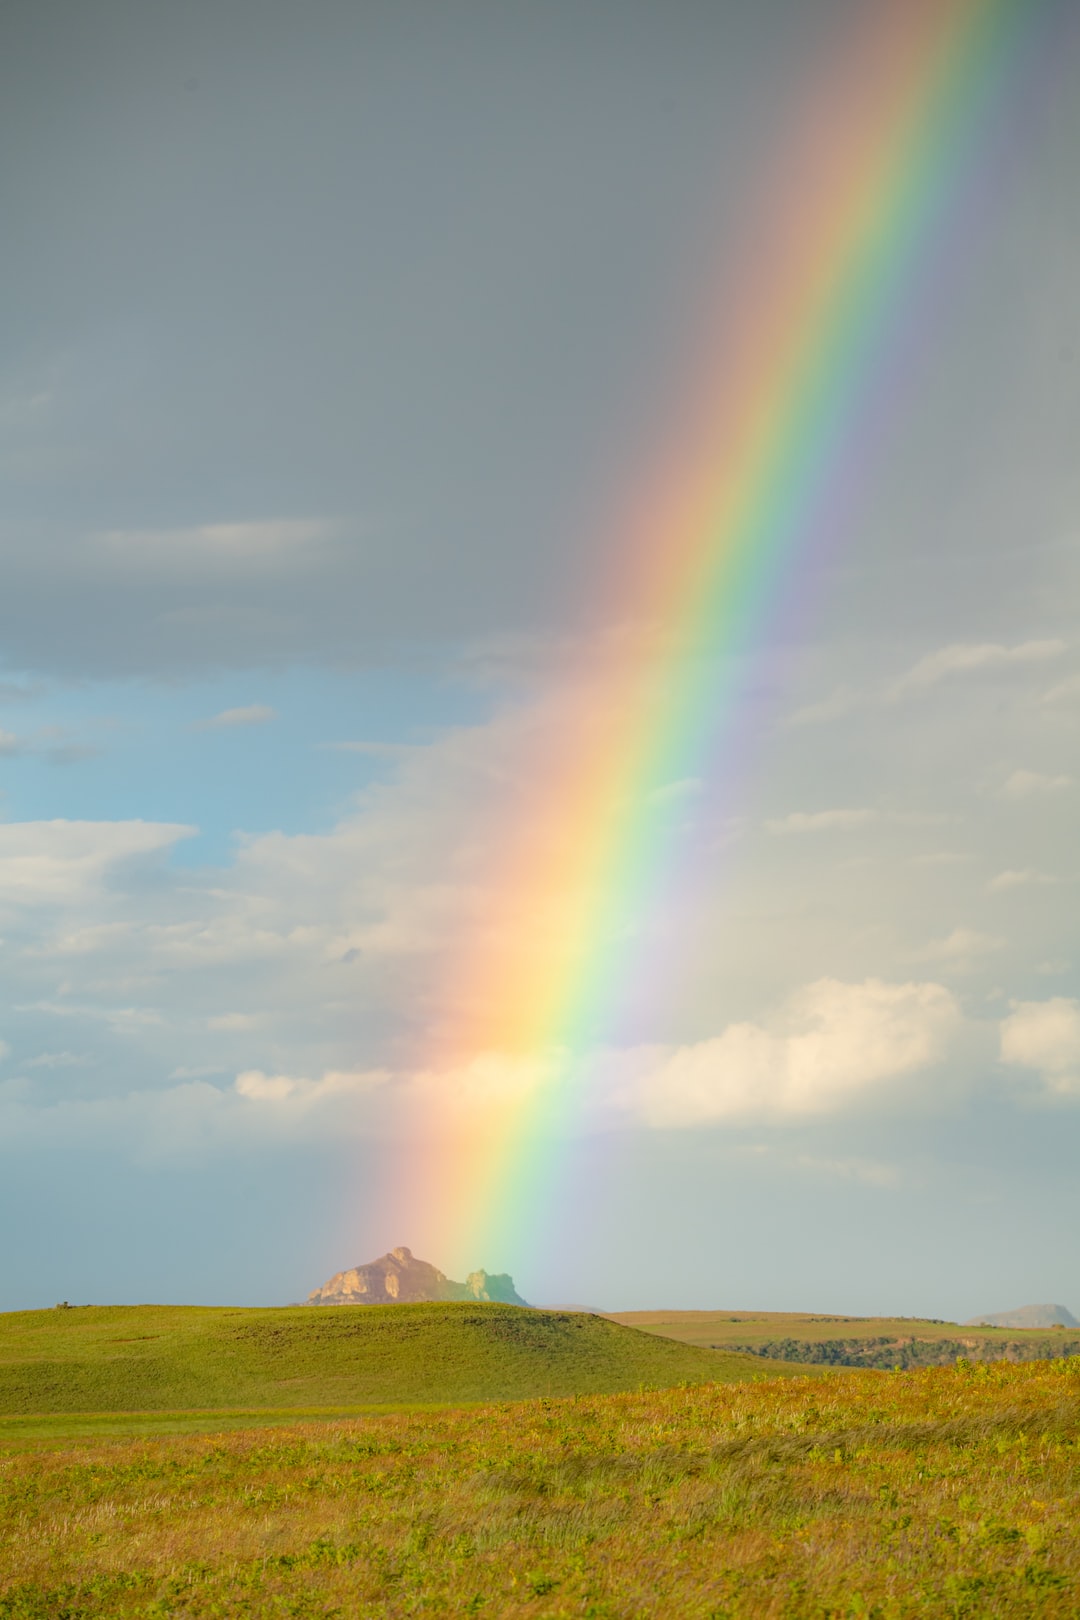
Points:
(950, 1492)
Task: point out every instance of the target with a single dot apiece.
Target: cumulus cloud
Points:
(1019, 879)
(258, 1087)
(1045, 1036)
(814, 821)
(1032, 785)
(253, 714)
(958, 949)
(310, 955)
(62, 860)
(832, 1047)
(965, 658)
(835, 1044)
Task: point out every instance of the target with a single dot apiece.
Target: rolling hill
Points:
(148, 1358)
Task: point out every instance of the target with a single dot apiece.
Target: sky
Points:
(334, 337)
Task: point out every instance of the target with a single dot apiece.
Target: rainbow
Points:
(761, 472)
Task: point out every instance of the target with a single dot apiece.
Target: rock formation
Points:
(1028, 1316)
(399, 1278)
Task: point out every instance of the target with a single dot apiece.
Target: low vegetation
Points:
(151, 1358)
(946, 1492)
(887, 1352)
(852, 1341)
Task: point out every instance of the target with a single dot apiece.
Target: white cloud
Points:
(254, 714)
(5, 1050)
(959, 948)
(60, 1060)
(963, 658)
(212, 549)
(51, 742)
(61, 860)
(836, 1044)
(1066, 691)
(1045, 1036)
(870, 1172)
(54, 743)
(1024, 878)
(813, 821)
(1032, 785)
(833, 1046)
(258, 1087)
(121, 1020)
(321, 954)
(842, 700)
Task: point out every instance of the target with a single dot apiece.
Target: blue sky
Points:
(331, 337)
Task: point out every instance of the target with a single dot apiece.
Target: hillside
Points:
(157, 1358)
(850, 1341)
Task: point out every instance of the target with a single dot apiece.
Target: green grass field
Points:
(190, 1360)
(883, 1341)
(951, 1493)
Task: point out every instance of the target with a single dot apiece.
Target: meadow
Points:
(90, 1361)
(885, 1342)
(945, 1492)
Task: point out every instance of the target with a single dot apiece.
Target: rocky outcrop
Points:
(399, 1278)
(1028, 1316)
(493, 1285)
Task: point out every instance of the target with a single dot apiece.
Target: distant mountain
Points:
(1028, 1316)
(399, 1278)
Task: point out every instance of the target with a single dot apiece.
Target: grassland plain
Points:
(863, 1341)
(946, 1492)
(151, 1358)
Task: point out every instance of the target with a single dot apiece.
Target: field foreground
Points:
(950, 1492)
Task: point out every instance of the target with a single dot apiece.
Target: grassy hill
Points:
(168, 1358)
(851, 1341)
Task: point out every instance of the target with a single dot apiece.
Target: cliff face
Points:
(399, 1278)
(497, 1285)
